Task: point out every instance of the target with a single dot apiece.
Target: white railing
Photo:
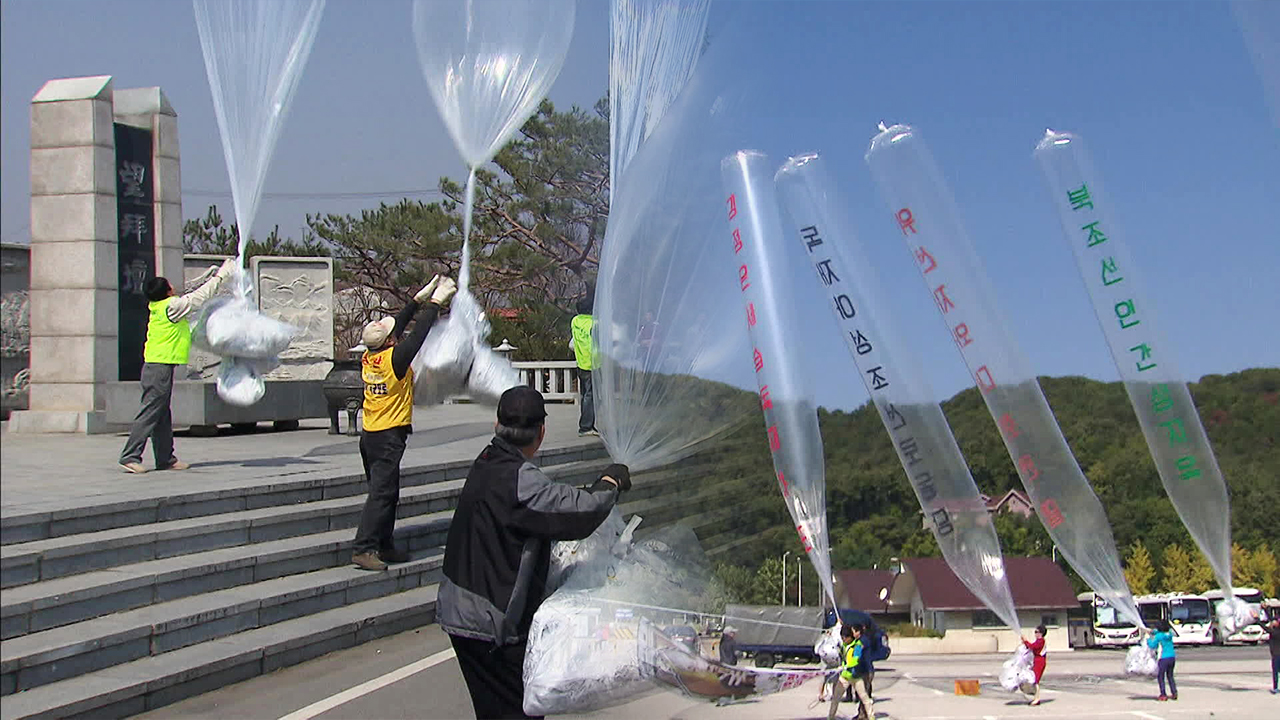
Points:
(555, 379)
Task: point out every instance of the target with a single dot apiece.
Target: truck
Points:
(770, 634)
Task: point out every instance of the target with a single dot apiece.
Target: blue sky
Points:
(1165, 93)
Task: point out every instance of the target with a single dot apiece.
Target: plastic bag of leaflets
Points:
(1140, 660)
(586, 648)
(240, 380)
(248, 342)
(828, 646)
(1017, 670)
(1234, 614)
(454, 358)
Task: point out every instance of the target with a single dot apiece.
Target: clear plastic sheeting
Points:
(927, 216)
(754, 232)
(1016, 671)
(655, 45)
(1140, 660)
(1144, 356)
(234, 327)
(584, 648)
(953, 507)
(254, 52)
(672, 358)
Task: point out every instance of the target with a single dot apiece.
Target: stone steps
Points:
(65, 555)
(191, 592)
(155, 681)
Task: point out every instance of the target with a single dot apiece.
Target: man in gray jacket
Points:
(499, 551)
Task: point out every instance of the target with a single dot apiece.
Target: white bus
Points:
(1252, 633)
(1097, 624)
(1188, 615)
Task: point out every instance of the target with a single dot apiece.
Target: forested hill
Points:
(873, 514)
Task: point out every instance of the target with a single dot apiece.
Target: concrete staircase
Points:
(117, 609)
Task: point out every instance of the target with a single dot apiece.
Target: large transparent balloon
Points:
(1144, 356)
(487, 65)
(254, 52)
(908, 407)
(655, 45)
(926, 214)
(754, 231)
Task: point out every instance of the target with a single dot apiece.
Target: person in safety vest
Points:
(584, 352)
(498, 552)
(168, 346)
(388, 417)
(851, 672)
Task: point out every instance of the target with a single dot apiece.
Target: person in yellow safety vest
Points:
(168, 346)
(584, 350)
(388, 418)
(851, 672)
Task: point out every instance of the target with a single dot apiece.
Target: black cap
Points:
(521, 407)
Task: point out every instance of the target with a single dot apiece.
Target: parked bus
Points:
(1097, 624)
(1189, 615)
(1251, 633)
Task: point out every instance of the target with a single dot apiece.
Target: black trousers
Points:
(494, 675)
(587, 416)
(381, 451)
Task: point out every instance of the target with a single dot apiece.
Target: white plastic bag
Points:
(490, 376)
(828, 646)
(1017, 670)
(233, 327)
(1140, 660)
(240, 380)
(1234, 614)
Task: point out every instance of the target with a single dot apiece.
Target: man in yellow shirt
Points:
(168, 346)
(388, 417)
(852, 672)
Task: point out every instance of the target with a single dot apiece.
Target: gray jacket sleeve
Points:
(182, 305)
(556, 511)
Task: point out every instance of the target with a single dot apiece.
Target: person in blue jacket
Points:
(1163, 639)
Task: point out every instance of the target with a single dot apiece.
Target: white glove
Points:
(228, 267)
(426, 290)
(444, 291)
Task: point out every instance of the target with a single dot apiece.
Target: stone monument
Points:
(106, 211)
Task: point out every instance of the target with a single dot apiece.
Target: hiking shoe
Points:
(392, 555)
(177, 465)
(133, 467)
(589, 433)
(1162, 698)
(1173, 696)
(368, 561)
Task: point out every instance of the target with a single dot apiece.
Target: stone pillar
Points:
(149, 109)
(74, 299)
(78, 344)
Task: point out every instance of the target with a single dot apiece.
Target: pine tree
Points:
(1139, 572)
(1259, 570)
(1176, 570)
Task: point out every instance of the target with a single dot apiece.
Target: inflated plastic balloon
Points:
(1144, 356)
(655, 45)
(925, 213)
(254, 52)
(759, 244)
(956, 513)
(488, 63)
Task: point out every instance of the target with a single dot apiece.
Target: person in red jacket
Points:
(1038, 661)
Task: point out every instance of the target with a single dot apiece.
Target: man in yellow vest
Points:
(584, 352)
(168, 346)
(388, 418)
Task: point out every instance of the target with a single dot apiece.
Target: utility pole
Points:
(784, 577)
